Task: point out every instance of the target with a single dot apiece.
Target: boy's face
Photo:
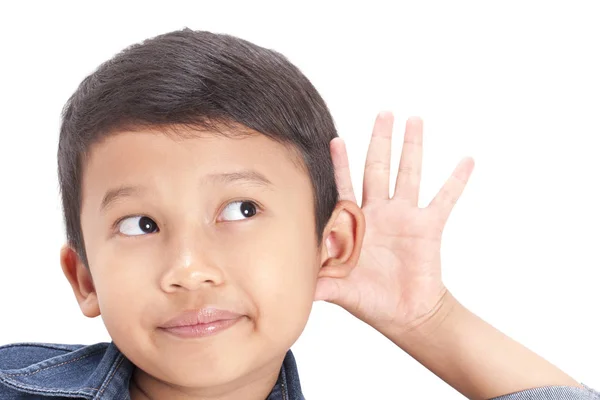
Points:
(204, 222)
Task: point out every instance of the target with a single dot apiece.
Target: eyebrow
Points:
(247, 176)
(250, 176)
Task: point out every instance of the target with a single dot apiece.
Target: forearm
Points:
(473, 357)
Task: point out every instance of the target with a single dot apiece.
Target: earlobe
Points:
(342, 240)
(80, 279)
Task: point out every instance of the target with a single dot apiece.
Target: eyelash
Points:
(258, 206)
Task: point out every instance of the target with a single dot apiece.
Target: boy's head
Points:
(195, 174)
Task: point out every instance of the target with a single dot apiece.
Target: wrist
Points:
(425, 329)
(448, 319)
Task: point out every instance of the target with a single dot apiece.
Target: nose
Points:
(190, 268)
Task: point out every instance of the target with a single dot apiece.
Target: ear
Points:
(81, 282)
(342, 240)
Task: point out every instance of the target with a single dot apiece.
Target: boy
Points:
(203, 219)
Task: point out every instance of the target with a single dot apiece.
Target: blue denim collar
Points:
(288, 384)
(97, 372)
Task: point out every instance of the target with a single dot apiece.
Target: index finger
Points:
(341, 167)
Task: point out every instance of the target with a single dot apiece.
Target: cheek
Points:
(281, 282)
(122, 292)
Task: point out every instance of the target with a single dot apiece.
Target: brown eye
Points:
(239, 210)
(139, 225)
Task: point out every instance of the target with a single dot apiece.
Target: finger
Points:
(328, 289)
(341, 167)
(336, 291)
(449, 194)
(376, 181)
(408, 180)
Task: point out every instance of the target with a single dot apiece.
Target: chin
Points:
(207, 374)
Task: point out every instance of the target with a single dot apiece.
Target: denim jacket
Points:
(100, 371)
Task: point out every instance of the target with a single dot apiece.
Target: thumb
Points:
(329, 289)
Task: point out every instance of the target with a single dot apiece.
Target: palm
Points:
(398, 276)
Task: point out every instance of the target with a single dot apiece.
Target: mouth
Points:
(201, 323)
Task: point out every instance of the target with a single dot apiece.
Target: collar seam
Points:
(284, 394)
(52, 366)
(46, 391)
(105, 384)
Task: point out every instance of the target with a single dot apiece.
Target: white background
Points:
(514, 84)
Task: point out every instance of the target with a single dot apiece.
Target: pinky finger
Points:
(449, 194)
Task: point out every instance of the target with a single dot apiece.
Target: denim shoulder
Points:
(61, 371)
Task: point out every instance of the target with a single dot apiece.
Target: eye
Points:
(138, 225)
(239, 210)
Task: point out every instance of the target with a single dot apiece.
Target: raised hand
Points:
(397, 281)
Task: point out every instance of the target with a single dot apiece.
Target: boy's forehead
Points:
(202, 147)
(147, 155)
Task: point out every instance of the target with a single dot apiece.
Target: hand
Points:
(397, 282)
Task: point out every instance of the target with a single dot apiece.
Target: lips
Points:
(199, 323)
(199, 317)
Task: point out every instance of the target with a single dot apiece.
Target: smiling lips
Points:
(199, 323)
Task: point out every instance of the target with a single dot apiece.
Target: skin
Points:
(204, 252)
